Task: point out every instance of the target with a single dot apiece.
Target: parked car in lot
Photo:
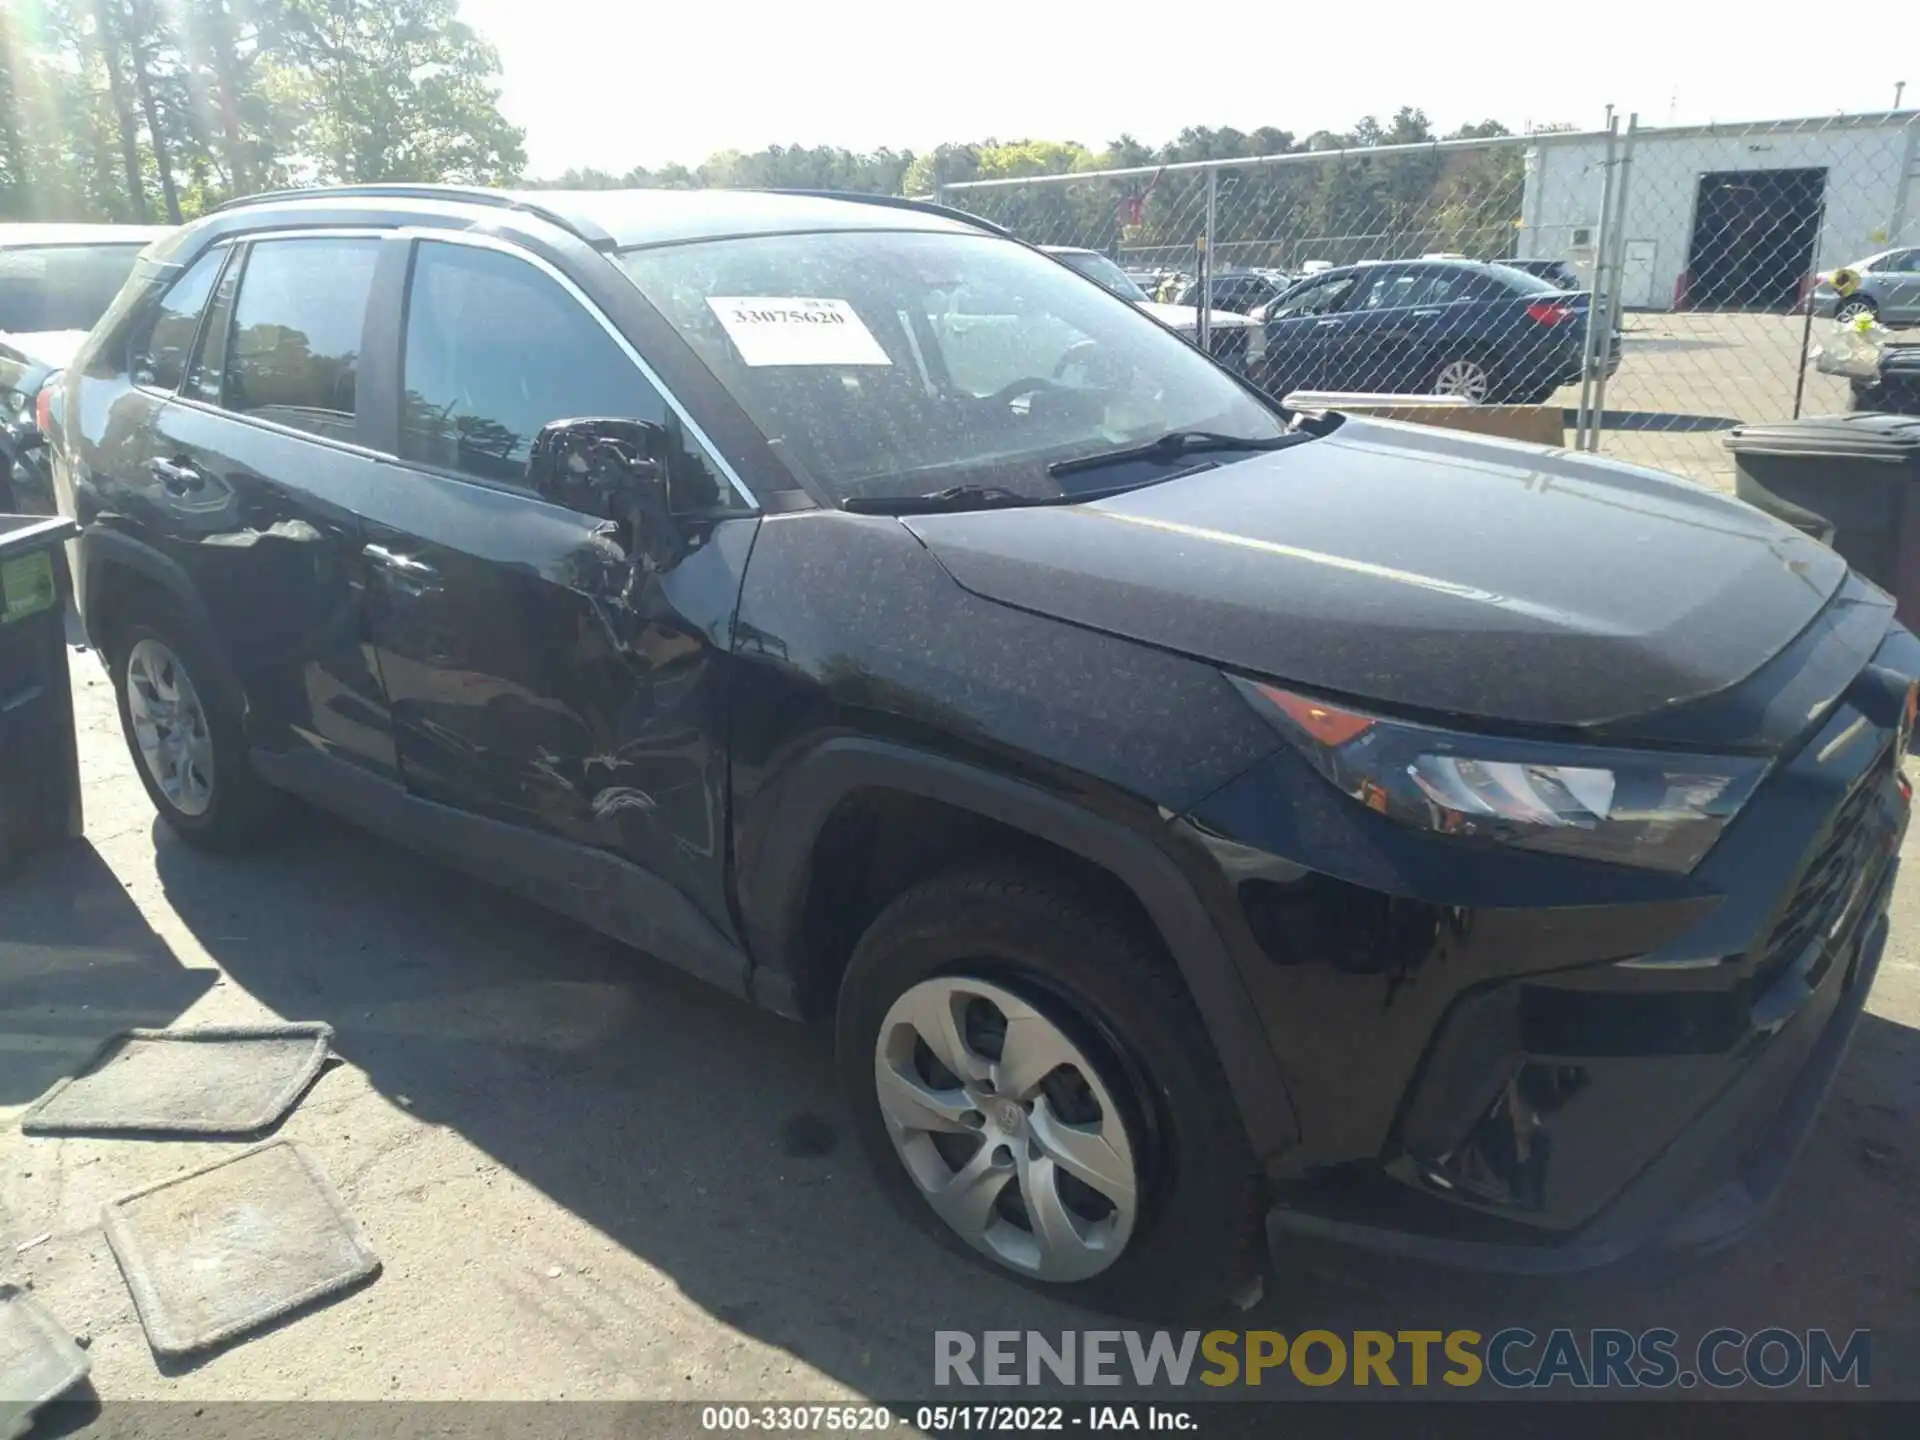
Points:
(1486, 332)
(1182, 813)
(1238, 290)
(55, 281)
(1889, 289)
(1226, 330)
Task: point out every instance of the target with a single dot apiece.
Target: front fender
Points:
(795, 811)
(102, 551)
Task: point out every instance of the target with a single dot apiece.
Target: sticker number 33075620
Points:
(796, 330)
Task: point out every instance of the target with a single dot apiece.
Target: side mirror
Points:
(615, 470)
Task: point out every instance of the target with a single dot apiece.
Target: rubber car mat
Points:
(215, 1080)
(238, 1244)
(38, 1360)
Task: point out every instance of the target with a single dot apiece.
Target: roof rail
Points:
(466, 194)
(896, 202)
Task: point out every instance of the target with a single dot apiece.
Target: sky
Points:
(618, 83)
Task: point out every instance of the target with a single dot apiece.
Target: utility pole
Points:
(1899, 89)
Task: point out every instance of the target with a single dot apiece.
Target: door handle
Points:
(1327, 324)
(178, 477)
(402, 566)
(1425, 314)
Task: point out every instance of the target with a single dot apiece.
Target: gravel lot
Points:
(588, 1176)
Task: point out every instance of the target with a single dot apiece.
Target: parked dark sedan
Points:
(1488, 333)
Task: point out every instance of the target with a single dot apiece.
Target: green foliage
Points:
(1345, 208)
(118, 109)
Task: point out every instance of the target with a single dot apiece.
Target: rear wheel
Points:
(1467, 376)
(1035, 1088)
(185, 735)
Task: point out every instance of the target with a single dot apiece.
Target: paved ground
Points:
(590, 1177)
(1685, 380)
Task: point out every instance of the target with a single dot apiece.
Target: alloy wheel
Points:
(1466, 378)
(170, 727)
(1853, 310)
(1007, 1128)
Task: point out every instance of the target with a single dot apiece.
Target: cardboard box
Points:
(1539, 424)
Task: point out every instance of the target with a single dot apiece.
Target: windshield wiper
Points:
(956, 497)
(982, 497)
(1171, 446)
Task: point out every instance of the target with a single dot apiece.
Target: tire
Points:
(1451, 373)
(1181, 1239)
(1858, 305)
(232, 807)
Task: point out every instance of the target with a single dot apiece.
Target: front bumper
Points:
(1545, 1067)
(1710, 1188)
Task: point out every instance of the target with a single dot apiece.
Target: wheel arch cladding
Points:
(116, 569)
(818, 787)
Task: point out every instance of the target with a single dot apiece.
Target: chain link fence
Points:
(1658, 285)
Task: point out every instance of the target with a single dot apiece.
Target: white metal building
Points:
(1730, 216)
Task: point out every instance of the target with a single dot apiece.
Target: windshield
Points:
(890, 363)
(61, 287)
(1103, 272)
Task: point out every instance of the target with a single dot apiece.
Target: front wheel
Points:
(1034, 1086)
(1852, 310)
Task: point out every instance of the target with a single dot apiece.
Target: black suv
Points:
(1184, 814)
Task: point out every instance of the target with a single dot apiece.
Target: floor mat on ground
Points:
(246, 1241)
(38, 1360)
(217, 1080)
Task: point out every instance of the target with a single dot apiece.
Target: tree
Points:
(107, 49)
(141, 31)
(217, 79)
(399, 90)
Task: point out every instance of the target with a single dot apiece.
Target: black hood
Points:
(1424, 569)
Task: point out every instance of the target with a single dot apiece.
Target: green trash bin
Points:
(1851, 481)
(39, 756)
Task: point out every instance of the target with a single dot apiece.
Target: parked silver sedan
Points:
(1889, 289)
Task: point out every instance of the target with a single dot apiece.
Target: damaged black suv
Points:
(1191, 817)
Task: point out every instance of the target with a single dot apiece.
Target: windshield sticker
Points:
(796, 330)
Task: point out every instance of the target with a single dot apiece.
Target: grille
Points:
(1829, 877)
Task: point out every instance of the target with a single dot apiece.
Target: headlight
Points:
(1629, 807)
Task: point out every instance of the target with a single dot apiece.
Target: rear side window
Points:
(208, 372)
(1391, 289)
(159, 355)
(1313, 299)
(496, 350)
(61, 287)
(293, 352)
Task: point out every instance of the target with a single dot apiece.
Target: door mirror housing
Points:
(597, 467)
(614, 470)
